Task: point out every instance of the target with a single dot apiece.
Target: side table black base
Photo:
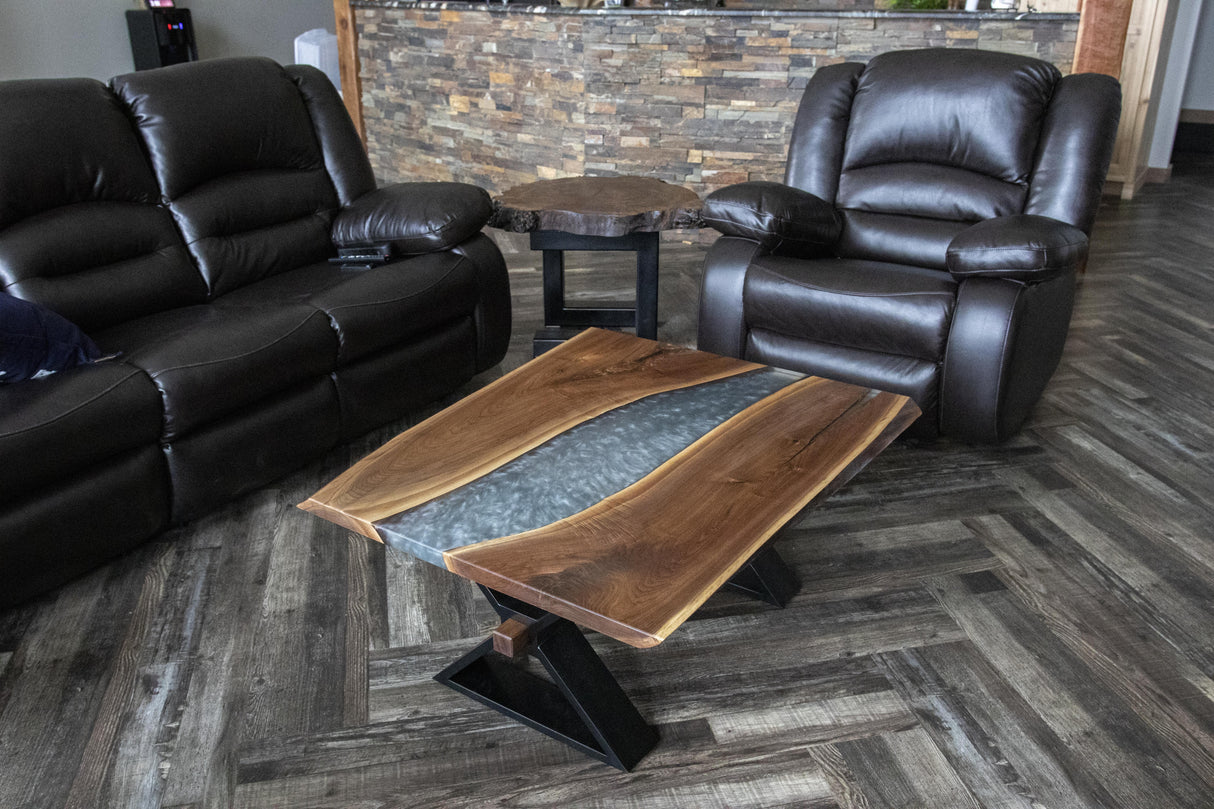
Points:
(643, 316)
(550, 337)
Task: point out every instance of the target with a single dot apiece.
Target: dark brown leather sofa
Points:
(183, 219)
(935, 211)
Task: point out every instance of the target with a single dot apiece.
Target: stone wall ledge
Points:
(700, 11)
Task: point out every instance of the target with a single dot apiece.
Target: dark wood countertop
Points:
(699, 10)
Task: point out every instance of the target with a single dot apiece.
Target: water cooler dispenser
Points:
(161, 36)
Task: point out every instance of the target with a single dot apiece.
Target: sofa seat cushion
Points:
(53, 427)
(869, 305)
(398, 302)
(210, 361)
(373, 310)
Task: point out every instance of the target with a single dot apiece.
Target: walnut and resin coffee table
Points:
(614, 483)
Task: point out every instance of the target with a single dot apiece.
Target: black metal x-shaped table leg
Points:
(581, 704)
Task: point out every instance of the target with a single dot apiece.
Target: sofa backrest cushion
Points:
(233, 149)
(81, 228)
(345, 156)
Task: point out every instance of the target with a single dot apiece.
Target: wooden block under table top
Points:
(512, 638)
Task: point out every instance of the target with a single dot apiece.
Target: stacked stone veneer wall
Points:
(500, 97)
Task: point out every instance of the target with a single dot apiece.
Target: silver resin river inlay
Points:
(578, 468)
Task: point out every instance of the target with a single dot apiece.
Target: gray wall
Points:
(1177, 72)
(58, 38)
(1199, 92)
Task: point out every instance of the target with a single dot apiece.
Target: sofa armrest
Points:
(1023, 247)
(782, 219)
(414, 218)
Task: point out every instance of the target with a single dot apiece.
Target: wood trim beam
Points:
(347, 61)
(1100, 45)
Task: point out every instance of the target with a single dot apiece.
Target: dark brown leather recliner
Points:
(935, 211)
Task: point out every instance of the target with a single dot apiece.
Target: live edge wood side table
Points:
(596, 213)
(613, 483)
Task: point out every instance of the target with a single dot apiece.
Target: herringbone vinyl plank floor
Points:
(1022, 627)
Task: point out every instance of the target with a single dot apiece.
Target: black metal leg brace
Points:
(766, 577)
(583, 706)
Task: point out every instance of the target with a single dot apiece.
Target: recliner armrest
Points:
(414, 218)
(782, 219)
(1023, 247)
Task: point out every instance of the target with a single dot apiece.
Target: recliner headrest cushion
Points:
(975, 110)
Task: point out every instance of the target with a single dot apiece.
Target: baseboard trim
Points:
(1197, 116)
(1157, 175)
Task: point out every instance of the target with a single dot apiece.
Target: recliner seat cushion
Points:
(848, 302)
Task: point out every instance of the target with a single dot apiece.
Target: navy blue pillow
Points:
(34, 339)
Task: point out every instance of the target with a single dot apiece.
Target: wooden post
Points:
(347, 60)
(1102, 31)
(1123, 38)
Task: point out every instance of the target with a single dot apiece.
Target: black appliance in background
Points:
(161, 36)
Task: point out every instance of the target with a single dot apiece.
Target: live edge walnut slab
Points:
(597, 206)
(615, 481)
